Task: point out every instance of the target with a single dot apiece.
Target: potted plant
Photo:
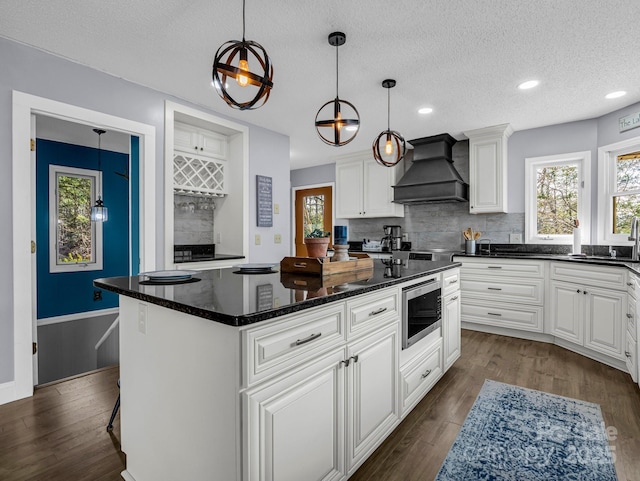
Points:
(317, 242)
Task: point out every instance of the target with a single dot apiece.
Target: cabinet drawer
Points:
(419, 375)
(369, 312)
(450, 281)
(527, 291)
(502, 267)
(278, 346)
(528, 318)
(608, 277)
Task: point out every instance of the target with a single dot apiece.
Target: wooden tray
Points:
(294, 280)
(323, 266)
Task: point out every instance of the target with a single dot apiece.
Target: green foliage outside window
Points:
(626, 206)
(557, 199)
(74, 219)
(313, 214)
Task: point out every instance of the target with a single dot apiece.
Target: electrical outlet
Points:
(515, 238)
(277, 239)
(257, 239)
(219, 238)
(142, 318)
(97, 295)
(276, 208)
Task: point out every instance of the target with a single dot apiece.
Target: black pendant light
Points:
(394, 147)
(343, 128)
(225, 67)
(99, 213)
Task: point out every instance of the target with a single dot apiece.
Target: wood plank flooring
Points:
(59, 433)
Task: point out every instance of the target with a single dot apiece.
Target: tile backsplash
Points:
(193, 219)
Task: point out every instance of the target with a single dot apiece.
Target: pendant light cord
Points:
(243, 19)
(337, 71)
(388, 109)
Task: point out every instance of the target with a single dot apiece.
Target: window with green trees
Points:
(75, 241)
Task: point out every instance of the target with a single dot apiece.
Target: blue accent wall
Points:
(134, 175)
(72, 292)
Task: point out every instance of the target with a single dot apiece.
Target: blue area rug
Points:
(513, 433)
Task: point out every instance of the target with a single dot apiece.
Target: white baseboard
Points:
(45, 321)
(9, 393)
(126, 476)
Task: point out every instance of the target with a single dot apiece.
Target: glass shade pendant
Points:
(389, 148)
(343, 123)
(99, 213)
(251, 89)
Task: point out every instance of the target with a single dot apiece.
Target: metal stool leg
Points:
(115, 411)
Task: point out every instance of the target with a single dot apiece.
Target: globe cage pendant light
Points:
(395, 147)
(244, 52)
(99, 213)
(338, 123)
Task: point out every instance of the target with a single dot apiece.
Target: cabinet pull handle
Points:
(494, 267)
(578, 291)
(355, 358)
(378, 311)
(312, 337)
(630, 316)
(494, 288)
(585, 292)
(453, 281)
(454, 298)
(630, 284)
(300, 264)
(628, 354)
(494, 314)
(346, 362)
(426, 373)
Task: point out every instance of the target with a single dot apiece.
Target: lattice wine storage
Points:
(192, 174)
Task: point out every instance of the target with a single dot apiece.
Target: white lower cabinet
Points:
(588, 316)
(372, 386)
(322, 420)
(295, 425)
(451, 328)
(418, 375)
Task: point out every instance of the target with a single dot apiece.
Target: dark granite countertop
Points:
(633, 266)
(241, 299)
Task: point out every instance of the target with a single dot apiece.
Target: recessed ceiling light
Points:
(425, 110)
(529, 84)
(615, 95)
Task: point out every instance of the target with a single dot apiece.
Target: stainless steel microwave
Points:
(421, 311)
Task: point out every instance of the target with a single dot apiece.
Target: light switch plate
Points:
(277, 239)
(515, 238)
(276, 208)
(142, 318)
(257, 239)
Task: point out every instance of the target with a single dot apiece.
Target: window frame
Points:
(96, 227)
(532, 164)
(607, 156)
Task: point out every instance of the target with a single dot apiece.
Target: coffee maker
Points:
(392, 237)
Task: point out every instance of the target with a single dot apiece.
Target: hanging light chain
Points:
(243, 19)
(389, 109)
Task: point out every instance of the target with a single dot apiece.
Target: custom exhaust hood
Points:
(432, 176)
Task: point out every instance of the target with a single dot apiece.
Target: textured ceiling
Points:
(462, 58)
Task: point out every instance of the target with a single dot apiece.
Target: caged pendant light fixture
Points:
(99, 213)
(232, 61)
(394, 147)
(343, 127)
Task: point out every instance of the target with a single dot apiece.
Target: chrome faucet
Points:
(635, 237)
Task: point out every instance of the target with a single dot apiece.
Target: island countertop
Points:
(225, 296)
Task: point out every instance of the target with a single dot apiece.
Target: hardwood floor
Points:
(59, 433)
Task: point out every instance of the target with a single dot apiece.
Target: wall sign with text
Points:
(264, 199)
(629, 122)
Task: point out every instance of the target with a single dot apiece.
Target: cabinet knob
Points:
(578, 291)
(630, 316)
(585, 292)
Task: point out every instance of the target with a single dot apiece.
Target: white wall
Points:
(35, 72)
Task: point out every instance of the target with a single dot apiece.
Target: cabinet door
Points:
(295, 426)
(372, 393)
(212, 144)
(566, 311)
(349, 191)
(630, 353)
(451, 328)
(604, 321)
(185, 138)
(378, 193)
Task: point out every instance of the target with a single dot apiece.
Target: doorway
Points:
(25, 106)
(313, 210)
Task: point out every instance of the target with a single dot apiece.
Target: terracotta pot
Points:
(316, 246)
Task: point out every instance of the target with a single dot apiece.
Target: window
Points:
(75, 243)
(556, 194)
(618, 191)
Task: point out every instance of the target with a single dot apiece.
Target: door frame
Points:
(24, 318)
(292, 240)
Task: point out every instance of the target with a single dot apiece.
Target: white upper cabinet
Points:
(193, 140)
(488, 169)
(364, 189)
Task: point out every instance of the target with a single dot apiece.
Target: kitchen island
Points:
(260, 377)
